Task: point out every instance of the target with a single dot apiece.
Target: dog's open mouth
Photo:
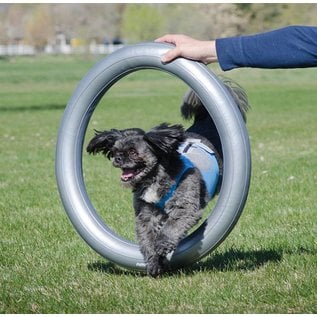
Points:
(128, 174)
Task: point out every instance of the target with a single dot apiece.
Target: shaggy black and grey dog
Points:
(173, 174)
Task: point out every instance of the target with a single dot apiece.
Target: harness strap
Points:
(204, 159)
(187, 164)
(195, 154)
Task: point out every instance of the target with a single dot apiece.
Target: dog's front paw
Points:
(155, 266)
(164, 245)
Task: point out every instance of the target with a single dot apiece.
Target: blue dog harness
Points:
(195, 154)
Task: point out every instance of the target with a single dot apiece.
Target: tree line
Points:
(38, 24)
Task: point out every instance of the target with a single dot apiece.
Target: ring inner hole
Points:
(142, 99)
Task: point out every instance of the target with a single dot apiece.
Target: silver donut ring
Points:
(69, 151)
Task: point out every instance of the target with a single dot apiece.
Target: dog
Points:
(173, 174)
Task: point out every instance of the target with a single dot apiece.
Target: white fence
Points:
(96, 49)
(10, 50)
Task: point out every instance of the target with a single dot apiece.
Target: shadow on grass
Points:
(229, 261)
(111, 268)
(32, 108)
(238, 260)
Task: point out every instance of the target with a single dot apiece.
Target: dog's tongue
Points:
(127, 174)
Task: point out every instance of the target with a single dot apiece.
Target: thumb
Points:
(170, 55)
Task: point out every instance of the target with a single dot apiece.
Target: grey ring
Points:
(69, 151)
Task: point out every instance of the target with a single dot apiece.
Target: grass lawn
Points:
(268, 264)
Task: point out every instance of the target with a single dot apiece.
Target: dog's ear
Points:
(165, 139)
(103, 142)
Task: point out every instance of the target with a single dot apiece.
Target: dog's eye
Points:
(132, 153)
(114, 153)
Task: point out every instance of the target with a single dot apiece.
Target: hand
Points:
(187, 47)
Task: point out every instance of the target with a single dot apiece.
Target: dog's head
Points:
(136, 152)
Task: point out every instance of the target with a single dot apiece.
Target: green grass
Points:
(268, 264)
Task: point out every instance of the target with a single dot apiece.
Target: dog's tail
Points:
(192, 107)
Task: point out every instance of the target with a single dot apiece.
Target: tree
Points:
(266, 16)
(142, 22)
(15, 22)
(205, 21)
(39, 27)
(39, 23)
(88, 21)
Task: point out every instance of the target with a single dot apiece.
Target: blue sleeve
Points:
(288, 47)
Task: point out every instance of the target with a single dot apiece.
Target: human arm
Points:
(288, 47)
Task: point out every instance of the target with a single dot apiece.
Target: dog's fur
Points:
(150, 163)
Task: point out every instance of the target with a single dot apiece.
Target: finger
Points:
(170, 55)
(160, 39)
(168, 38)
